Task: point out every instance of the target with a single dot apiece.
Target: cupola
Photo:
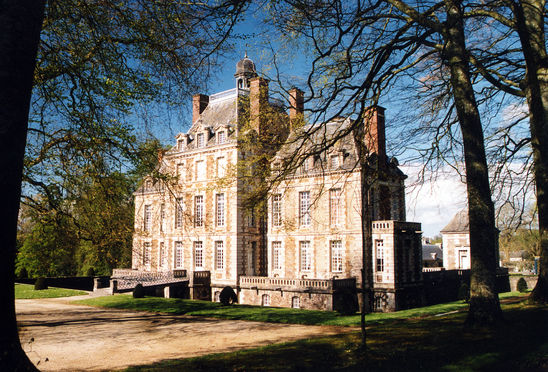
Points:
(245, 70)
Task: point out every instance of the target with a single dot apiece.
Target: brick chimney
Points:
(258, 103)
(296, 106)
(375, 132)
(199, 104)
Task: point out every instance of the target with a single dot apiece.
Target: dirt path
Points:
(75, 337)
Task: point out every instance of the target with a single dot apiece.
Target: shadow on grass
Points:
(520, 343)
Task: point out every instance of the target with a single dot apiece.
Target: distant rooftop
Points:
(459, 223)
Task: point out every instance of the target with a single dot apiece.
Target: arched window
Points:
(266, 300)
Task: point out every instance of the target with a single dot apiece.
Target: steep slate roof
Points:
(310, 139)
(220, 111)
(459, 223)
(428, 249)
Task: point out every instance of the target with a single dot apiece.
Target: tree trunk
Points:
(529, 16)
(367, 256)
(484, 303)
(20, 24)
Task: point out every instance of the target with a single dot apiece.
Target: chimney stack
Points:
(199, 104)
(258, 103)
(296, 107)
(375, 132)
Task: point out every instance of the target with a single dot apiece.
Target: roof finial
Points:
(245, 56)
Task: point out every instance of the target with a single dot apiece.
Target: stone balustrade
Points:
(432, 269)
(263, 282)
(128, 279)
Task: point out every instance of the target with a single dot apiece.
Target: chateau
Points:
(302, 245)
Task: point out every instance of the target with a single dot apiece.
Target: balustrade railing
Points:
(323, 284)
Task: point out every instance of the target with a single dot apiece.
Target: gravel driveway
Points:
(75, 337)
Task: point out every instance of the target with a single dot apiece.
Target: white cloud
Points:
(436, 200)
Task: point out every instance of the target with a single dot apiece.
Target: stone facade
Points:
(308, 244)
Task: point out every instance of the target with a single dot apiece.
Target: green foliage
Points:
(49, 248)
(464, 292)
(26, 291)
(228, 296)
(437, 239)
(40, 284)
(23, 274)
(90, 272)
(138, 291)
(522, 285)
(523, 242)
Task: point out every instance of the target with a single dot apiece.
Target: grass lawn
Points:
(440, 343)
(26, 291)
(267, 314)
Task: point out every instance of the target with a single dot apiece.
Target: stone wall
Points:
(531, 281)
(280, 298)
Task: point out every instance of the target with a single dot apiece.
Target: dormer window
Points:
(221, 137)
(180, 144)
(334, 162)
(200, 140)
(305, 166)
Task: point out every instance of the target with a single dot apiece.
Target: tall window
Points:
(379, 246)
(178, 213)
(251, 217)
(147, 254)
(162, 217)
(162, 259)
(180, 144)
(306, 165)
(178, 255)
(219, 255)
(295, 302)
(304, 208)
(220, 209)
(306, 256)
(250, 270)
(335, 206)
(221, 137)
(266, 300)
(200, 140)
(336, 256)
(198, 256)
(221, 166)
(276, 255)
(277, 210)
(198, 210)
(148, 217)
(334, 161)
(200, 170)
(181, 172)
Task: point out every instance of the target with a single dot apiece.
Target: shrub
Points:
(228, 296)
(522, 285)
(138, 291)
(23, 273)
(346, 302)
(464, 292)
(40, 284)
(90, 272)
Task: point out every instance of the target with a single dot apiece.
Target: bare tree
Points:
(363, 47)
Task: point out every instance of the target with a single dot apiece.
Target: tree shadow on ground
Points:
(520, 343)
